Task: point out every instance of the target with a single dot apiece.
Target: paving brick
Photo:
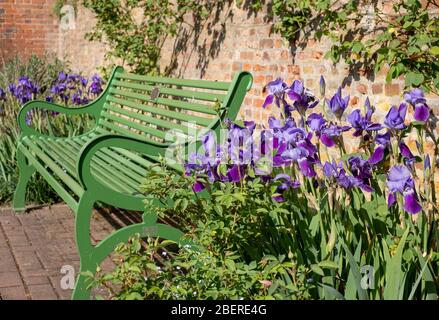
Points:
(33, 280)
(41, 249)
(42, 292)
(50, 261)
(18, 241)
(7, 263)
(10, 279)
(13, 293)
(28, 219)
(9, 220)
(3, 242)
(28, 260)
(62, 212)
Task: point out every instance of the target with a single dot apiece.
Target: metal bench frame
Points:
(129, 115)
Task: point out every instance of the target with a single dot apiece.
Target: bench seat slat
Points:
(129, 168)
(167, 102)
(61, 152)
(116, 120)
(102, 167)
(163, 112)
(109, 167)
(62, 192)
(109, 127)
(202, 84)
(69, 181)
(190, 94)
(148, 119)
(118, 153)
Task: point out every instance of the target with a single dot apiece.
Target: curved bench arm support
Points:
(83, 167)
(94, 108)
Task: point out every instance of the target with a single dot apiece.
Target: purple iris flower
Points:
(331, 133)
(301, 156)
(337, 173)
(360, 123)
(2, 95)
(417, 100)
(360, 168)
(399, 180)
(25, 90)
(77, 98)
(348, 182)
(377, 155)
(422, 112)
(395, 117)
(234, 174)
(284, 186)
(274, 123)
(12, 87)
(415, 96)
(240, 142)
(409, 158)
(316, 122)
(383, 139)
(198, 186)
(338, 104)
(330, 170)
(276, 92)
(383, 143)
(83, 81)
(322, 85)
(427, 164)
(96, 85)
(62, 76)
(303, 99)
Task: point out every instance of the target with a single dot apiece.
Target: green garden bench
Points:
(133, 117)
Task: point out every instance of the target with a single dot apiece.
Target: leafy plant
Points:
(59, 4)
(369, 36)
(138, 41)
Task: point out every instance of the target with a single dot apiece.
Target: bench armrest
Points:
(83, 166)
(94, 108)
(44, 105)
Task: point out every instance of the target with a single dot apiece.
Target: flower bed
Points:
(286, 213)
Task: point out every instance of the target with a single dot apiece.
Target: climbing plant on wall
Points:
(369, 35)
(136, 30)
(400, 35)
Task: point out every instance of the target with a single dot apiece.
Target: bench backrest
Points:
(147, 107)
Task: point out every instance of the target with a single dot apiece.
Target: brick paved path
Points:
(35, 246)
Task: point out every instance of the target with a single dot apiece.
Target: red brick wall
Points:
(27, 27)
(232, 40)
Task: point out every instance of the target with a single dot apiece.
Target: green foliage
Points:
(138, 41)
(59, 4)
(155, 271)
(368, 37)
(245, 245)
(44, 71)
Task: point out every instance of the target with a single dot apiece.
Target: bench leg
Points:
(92, 256)
(25, 172)
(83, 242)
